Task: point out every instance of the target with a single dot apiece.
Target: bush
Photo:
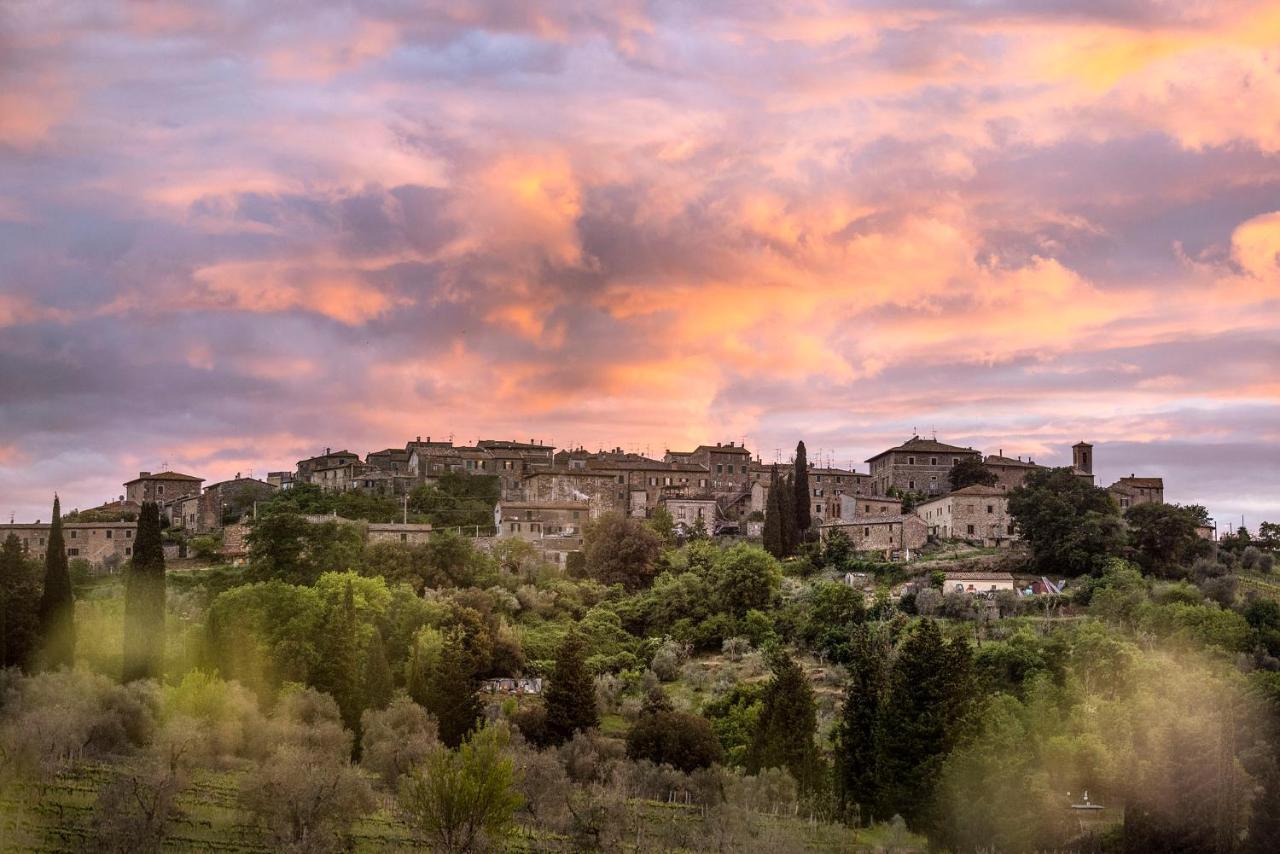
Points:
(667, 660)
(683, 741)
(396, 739)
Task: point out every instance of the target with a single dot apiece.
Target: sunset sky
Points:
(235, 233)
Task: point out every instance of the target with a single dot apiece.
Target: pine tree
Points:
(378, 683)
(787, 722)
(800, 485)
(923, 712)
(855, 735)
(144, 600)
(772, 533)
(19, 598)
(339, 672)
(570, 699)
(451, 691)
(57, 611)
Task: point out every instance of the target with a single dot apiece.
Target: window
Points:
(71, 534)
(576, 513)
(933, 461)
(1011, 528)
(911, 484)
(160, 489)
(744, 470)
(128, 535)
(404, 538)
(108, 535)
(127, 551)
(719, 468)
(933, 478)
(970, 529)
(73, 552)
(911, 461)
(702, 481)
(991, 508)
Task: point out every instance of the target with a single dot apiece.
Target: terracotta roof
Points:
(871, 520)
(1142, 482)
(721, 449)
(166, 475)
(995, 460)
(915, 443)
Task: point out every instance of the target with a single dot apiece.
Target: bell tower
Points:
(1082, 457)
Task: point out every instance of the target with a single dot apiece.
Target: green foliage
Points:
(19, 600)
(57, 608)
(774, 541)
(463, 801)
(745, 577)
(786, 725)
(458, 500)
(378, 681)
(621, 550)
(971, 471)
(855, 744)
(570, 698)
(685, 742)
(1072, 526)
(735, 719)
(287, 547)
(144, 603)
(1164, 538)
(663, 524)
(264, 634)
(337, 672)
(451, 690)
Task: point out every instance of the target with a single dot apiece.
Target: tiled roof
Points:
(1142, 482)
(166, 475)
(915, 443)
(995, 460)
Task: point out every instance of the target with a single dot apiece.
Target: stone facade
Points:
(860, 506)
(917, 465)
(891, 537)
(600, 491)
(161, 486)
(106, 545)
(329, 459)
(1132, 490)
(827, 487)
(687, 510)
(398, 532)
(1010, 471)
(647, 482)
(978, 514)
(536, 520)
(727, 466)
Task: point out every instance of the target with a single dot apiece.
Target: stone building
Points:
(160, 486)
(1133, 490)
(536, 520)
(978, 514)
(891, 537)
(917, 465)
(329, 459)
(727, 466)
(513, 460)
(1010, 471)
(398, 532)
(342, 477)
(859, 506)
(644, 482)
(687, 510)
(599, 490)
(105, 545)
(392, 460)
(827, 486)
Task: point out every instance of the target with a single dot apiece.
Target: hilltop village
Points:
(545, 496)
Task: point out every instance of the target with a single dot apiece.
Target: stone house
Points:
(978, 514)
(687, 510)
(392, 460)
(105, 545)
(858, 506)
(1010, 471)
(917, 465)
(398, 532)
(599, 490)
(342, 477)
(827, 486)
(536, 520)
(160, 486)
(891, 537)
(1133, 490)
(727, 466)
(975, 583)
(643, 483)
(329, 459)
(513, 460)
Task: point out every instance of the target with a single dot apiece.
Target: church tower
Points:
(1082, 457)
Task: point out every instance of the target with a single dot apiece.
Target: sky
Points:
(233, 234)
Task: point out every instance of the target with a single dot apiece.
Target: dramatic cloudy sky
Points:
(233, 233)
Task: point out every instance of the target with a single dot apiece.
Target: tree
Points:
(927, 702)
(1073, 527)
(1164, 538)
(685, 742)
(276, 543)
(19, 600)
(144, 600)
(745, 577)
(621, 550)
(800, 495)
(1269, 536)
(786, 724)
(396, 739)
(663, 524)
(772, 535)
(451, 690)
(463, 801)
(856, 748)
(57, 612)
(338, 671)
(787, 516)
(971, 471)
(378, 681)
(570, 699)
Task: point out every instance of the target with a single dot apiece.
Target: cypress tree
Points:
(923, 713)
(378, 683)
(800, 483)
(144, 600)
(855, 735)
(787, 722)
(451, 691)
(57, 612)
(787, 516)
(19, 598)
(773, 519)
(570, 699)
(339, 672)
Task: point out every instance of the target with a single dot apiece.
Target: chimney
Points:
(327, 451)
(1000, 453)
(237, 475)
(144, 474)
(419, 439)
